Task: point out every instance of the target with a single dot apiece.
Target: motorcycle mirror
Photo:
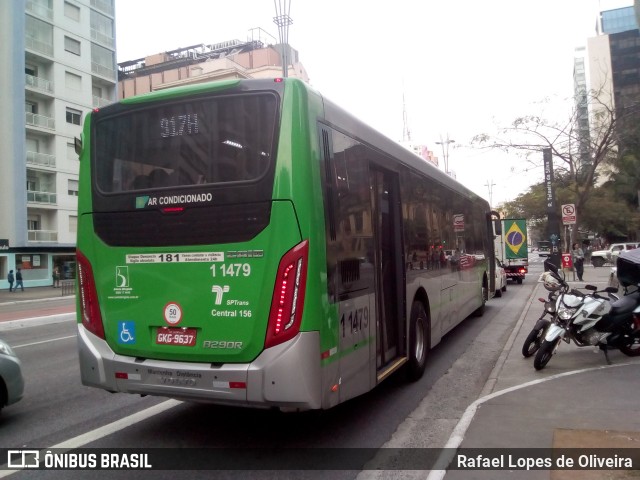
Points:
(591, 287)
(611, 289)
(550, 266)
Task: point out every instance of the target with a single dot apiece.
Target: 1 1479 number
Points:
(354, 321)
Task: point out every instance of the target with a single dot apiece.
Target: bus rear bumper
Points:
(287, 376)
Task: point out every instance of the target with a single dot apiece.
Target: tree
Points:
(580, 152)
(609, 211)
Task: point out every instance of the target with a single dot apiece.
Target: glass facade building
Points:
(619, 20)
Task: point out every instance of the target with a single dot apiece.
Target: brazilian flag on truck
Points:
(516, 238)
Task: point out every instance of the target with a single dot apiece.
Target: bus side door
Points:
(390, 330)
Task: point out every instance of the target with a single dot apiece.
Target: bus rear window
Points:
(180, 144)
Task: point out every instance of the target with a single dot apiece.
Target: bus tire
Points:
(418, 341)
(485, 296)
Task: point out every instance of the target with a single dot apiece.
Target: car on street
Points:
(610, 255)
(501, 279)
(11, 380)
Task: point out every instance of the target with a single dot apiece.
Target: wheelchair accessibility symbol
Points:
(126, 332)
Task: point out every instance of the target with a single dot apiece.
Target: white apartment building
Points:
(58, 62)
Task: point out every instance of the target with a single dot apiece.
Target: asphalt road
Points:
(57, 410)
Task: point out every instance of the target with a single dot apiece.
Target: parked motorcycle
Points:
(591, 320)
(536, 335)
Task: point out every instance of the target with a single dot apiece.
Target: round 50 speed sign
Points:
(172, 313)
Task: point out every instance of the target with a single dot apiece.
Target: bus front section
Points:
(192, 276)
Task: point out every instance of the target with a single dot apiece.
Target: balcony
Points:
(36, 8)
(41, 197)
(43, 121)
(38, 46)
(100, 37)
(101, 102)
(105, 6)
(41, 160)
(38, 83)
(42, 235)
(103, 71)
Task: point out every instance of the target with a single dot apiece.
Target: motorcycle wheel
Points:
(532, 342)
(545, 353)
(631, 349)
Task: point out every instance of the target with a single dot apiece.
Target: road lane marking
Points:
(44, 341)
(36, 321)
(98, 433)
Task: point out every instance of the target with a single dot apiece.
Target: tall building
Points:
(59, 63)
(621, 28)
(614, 57)
(581, 100)
(610, 70)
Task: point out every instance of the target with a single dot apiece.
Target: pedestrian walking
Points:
(578, 260)
(10, 279)
(19, 280)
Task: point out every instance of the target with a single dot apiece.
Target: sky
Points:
(462, 66)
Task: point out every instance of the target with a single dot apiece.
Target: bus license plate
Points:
(185, 337)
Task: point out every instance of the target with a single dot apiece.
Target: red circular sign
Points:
(172, 313)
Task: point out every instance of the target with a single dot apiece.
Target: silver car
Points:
(11, 381)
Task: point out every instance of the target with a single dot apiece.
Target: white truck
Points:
(610, 255)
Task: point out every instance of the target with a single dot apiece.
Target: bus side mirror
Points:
(77, 145)
(497, 227)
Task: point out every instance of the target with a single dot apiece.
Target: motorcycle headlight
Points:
(566, 313)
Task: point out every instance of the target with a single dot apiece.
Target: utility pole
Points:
(445, 151)
(283, 20)
(490, 188)
(406, 134)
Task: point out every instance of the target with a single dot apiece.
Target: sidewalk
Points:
(36, 293)
(577, 401)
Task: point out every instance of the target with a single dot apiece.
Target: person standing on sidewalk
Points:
(19, 280)
(10, 279)
(56, 277)
(578, 260)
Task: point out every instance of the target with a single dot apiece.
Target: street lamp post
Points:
(283, 20)
(445, 151)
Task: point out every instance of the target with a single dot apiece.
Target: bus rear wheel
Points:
(418, 341)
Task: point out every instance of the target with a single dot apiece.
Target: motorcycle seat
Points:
(626, 304)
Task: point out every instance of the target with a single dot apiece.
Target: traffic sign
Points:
(569, 214)
(458, 222)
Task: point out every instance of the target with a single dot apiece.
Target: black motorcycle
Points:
(536, 335)
(628, 272)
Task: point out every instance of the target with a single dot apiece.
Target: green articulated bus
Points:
(248, 242)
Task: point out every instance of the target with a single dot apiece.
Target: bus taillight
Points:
(288, 296)
(89, 308)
